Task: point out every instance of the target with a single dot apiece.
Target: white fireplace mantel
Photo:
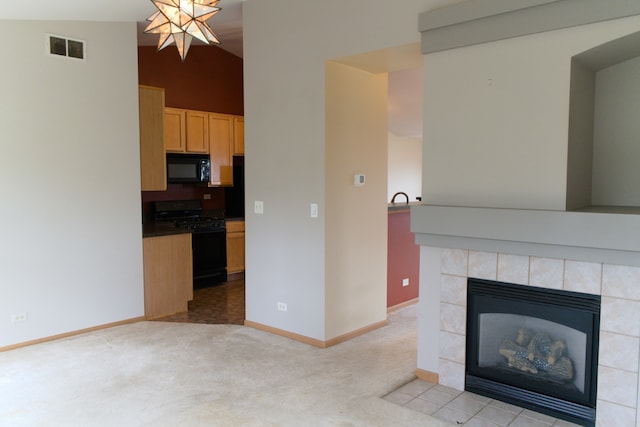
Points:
(609, 237)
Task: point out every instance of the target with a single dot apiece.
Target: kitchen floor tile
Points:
(223, 303)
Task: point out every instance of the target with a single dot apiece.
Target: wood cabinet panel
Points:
(168, 275)
(238, 135)
(235, 246)
(153, 169)
(197, 132)
(221, 149)
(174, 130)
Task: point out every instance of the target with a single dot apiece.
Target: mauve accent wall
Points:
(210, 79)
(403, 260)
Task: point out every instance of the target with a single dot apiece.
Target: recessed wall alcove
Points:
(603, 167)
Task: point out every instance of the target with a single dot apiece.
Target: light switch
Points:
(359, 180)
(258, 207)
(314, 210)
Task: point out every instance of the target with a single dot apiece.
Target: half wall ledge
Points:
(607, 237)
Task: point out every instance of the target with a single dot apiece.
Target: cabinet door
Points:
(238, 135)
(221, 149)
(168, 275)
(153, 169)
(197, 132)
(174, 130)
(235, 246)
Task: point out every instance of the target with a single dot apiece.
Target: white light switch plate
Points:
(314, 210)
(258, 207)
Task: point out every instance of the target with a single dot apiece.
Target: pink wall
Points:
(210, 79)
(403, 260)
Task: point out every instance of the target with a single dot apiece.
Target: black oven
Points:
(209, 257)
(208, 237)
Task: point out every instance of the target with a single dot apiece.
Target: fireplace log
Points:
(538, 354)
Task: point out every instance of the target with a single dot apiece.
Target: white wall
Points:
(286, 46)
(71, 246)
(404, 167)
(497, 118)
(616, 131)
(356, 217)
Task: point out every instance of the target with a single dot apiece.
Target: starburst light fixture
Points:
(180, 20)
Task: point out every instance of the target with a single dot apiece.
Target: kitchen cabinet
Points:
(221, 149)
(153, 171)
(219, 135)
(197, 132)
(186, 131)
(168, 277)
(175, 131)
(235, 246)
(238, 135)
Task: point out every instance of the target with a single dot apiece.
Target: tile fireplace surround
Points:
(534, 248)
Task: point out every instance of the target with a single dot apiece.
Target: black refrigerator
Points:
(234, 196)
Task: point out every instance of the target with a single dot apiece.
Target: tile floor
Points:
(219, 304)
(468, 409)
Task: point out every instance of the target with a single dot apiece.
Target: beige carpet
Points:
(178, 374)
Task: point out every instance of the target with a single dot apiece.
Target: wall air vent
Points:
(62, 46)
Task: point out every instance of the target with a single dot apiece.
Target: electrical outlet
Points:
(19, 317)
(258, 207)
(207, 197)
(405, 282)
(282, 306)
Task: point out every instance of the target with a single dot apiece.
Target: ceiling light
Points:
(178, 21)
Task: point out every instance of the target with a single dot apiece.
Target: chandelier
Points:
(179, 21)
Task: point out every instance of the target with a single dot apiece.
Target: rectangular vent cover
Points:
(62, 46)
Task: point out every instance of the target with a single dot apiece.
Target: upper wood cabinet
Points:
(219, 135)
(153, 169)
(197, 132)
(185, 131)
(221, 148)
(175, 132)
(238, 135)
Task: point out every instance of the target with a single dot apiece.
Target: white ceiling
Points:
(405, 87)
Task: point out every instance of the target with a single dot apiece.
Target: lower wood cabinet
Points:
(168, 275)
(235, 246)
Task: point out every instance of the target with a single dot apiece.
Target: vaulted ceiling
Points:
(405, 87)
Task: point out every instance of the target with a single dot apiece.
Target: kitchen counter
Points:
(401, 207)
(161, 228)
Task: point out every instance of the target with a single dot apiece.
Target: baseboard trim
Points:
(286, 334)
(356, 333)
(402, 305)
(313, 341)
(71, 334)
(432, 377)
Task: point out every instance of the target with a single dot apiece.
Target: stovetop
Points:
(200, 223)
(188, 214)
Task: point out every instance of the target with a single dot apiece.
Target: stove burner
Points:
(201, 223)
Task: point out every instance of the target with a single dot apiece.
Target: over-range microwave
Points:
(183, 168)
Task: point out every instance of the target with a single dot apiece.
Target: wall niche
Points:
(603, 170)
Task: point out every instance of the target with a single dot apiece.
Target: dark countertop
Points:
(161, 228)
(151, 228)
(400, 207)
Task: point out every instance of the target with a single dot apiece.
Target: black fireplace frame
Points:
(573, 309)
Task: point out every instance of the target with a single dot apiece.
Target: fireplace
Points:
(533, 347)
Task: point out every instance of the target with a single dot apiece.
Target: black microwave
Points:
(183, 168)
